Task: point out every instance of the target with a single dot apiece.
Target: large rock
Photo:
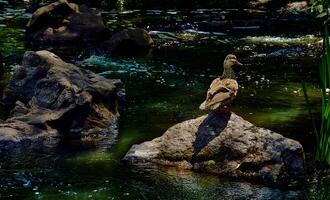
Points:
(64, 22)
(52, 99)
(223, 144)
(19, 136)
(129, 41)
(278, 4)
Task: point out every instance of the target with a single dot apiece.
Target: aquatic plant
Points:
(120, 4)
(322, 153)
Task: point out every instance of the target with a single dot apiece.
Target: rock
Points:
(162, 35)
(18, 137)
(67, 23)
(269, 4)
(223, 144)
(294, 52)
(64, 22)
(129, 41)
(51, 97)
(296, 6)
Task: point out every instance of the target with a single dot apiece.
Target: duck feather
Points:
(220, 93)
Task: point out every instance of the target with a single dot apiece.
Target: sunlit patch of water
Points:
(306, 40)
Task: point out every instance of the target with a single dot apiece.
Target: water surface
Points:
(166, 87)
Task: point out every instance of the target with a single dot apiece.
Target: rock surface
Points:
(63, 22)
(223, 144)
(129, 41)
(53, 100)
(66, 24)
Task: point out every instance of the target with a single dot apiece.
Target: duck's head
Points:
(230, 61)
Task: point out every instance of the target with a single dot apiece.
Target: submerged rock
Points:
(63, 22)
(223, 144)
(53, 100)
(129, 41)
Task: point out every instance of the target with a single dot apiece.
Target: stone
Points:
(51, 97)
(129, 41)
(64, 22)
(19, 137)
(223, 144)
(296, 6)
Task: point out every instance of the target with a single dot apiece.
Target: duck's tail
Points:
(203, 106)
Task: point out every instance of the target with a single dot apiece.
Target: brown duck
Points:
(223, 89)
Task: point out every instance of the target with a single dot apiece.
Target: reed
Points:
(322, 153)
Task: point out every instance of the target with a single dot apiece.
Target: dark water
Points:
(163, 88)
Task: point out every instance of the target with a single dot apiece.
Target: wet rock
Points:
(129, 41)
(64, 22)
(223, 144)
(288, 52)
(295, 53)
(18, 137)
(54, 99)
(162, 35)
(296, 6)
(269, 4)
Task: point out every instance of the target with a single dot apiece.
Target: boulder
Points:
(269, 4)
(224, 144)
(64, 22)
(19, 136)
(54, 99)
(296, 6)
(129, 41)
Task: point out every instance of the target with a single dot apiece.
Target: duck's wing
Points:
(223, 85)
(221, 91)
(231, 84)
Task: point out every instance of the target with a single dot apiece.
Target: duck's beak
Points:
(238, 63)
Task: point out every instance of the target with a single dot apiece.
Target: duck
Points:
(223, 89)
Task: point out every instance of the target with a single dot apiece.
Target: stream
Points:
(165, 87)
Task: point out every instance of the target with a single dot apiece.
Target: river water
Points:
(165, 87)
